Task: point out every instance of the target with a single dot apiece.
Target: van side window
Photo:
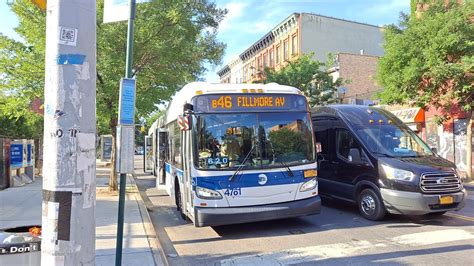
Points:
(348, 148)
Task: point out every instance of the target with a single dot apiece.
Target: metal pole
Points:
(123, 176)
(68, 217)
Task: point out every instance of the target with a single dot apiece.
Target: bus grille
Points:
(440, 182)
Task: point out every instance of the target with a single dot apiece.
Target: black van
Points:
(368, 156)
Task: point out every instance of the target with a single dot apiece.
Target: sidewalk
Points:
(22, 206)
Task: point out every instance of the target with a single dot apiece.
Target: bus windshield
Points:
(269, 139)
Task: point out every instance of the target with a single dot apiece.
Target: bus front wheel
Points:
(179, 201)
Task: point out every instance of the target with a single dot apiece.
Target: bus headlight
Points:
(311, 184)
(397, 174)
(205, 193)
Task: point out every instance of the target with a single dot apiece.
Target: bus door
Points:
(162, 152)
(148, 154)
(187, 164)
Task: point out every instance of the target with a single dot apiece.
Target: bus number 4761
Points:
(233, 192)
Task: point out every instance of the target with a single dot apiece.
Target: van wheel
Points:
(179, 203)
(370, 205)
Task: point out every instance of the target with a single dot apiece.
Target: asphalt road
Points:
(337, 236)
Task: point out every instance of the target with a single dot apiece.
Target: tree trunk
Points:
(113, 184)
(469, 145)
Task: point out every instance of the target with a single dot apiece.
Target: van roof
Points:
(358, 115)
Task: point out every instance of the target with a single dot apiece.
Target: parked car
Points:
(369, 157)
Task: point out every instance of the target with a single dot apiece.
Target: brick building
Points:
(359, 70)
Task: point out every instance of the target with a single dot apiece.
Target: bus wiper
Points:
(288, 170)
(231, 178)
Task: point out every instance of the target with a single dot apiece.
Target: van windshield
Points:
(391, 140)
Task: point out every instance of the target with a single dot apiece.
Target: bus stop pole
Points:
(123, 176)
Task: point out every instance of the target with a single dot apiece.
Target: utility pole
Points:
(68, 218)
(123, 129)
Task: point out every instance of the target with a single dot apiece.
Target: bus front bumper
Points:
(237, 215)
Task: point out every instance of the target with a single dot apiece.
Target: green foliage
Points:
(310, 76)
(287, 141)
(429, 60)
(153, 117)
(172, 40)
(16, 119)
(171, 43)
(22, 73)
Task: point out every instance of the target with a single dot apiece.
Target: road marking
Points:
(306, 254)
(433, 237)
(339, 250)
(462, 217)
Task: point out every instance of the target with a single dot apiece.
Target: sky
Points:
(249, 20)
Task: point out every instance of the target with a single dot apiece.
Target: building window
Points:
(277, 56)
(271, 58)
(285, 49)
(294, 43)
(265, 59)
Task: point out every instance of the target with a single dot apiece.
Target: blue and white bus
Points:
(246, 155)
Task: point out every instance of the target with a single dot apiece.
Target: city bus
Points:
(236, 153)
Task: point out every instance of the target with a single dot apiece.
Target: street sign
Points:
(118, 10)
(125, 149)
(127, 102)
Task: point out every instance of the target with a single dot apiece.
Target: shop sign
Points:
(411, 115)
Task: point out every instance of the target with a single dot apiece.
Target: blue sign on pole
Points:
(127, 102)
(16, 156)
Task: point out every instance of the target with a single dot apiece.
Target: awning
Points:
(410, 115)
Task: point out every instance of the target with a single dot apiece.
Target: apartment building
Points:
(302, 33)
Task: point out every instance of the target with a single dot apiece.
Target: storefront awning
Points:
(410, 115)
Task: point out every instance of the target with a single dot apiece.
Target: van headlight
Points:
(309, 185)
(397, 174)
(205, 193)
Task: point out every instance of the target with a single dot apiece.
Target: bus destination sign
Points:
(249, 102)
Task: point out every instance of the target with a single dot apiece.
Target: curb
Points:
(155, 244)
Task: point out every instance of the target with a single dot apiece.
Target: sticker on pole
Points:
(183, 122)
(67, 36)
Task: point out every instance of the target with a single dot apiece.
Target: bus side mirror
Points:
(434, 150)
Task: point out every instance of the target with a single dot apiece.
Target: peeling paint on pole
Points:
(68, 219)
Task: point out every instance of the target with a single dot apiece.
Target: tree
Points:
(22, 74)
(172, 40)
(429, 61)
(308, 75)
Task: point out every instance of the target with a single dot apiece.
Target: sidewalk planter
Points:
(20, 246)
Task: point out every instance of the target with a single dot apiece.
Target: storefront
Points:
(449, 138)
(414, 118)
